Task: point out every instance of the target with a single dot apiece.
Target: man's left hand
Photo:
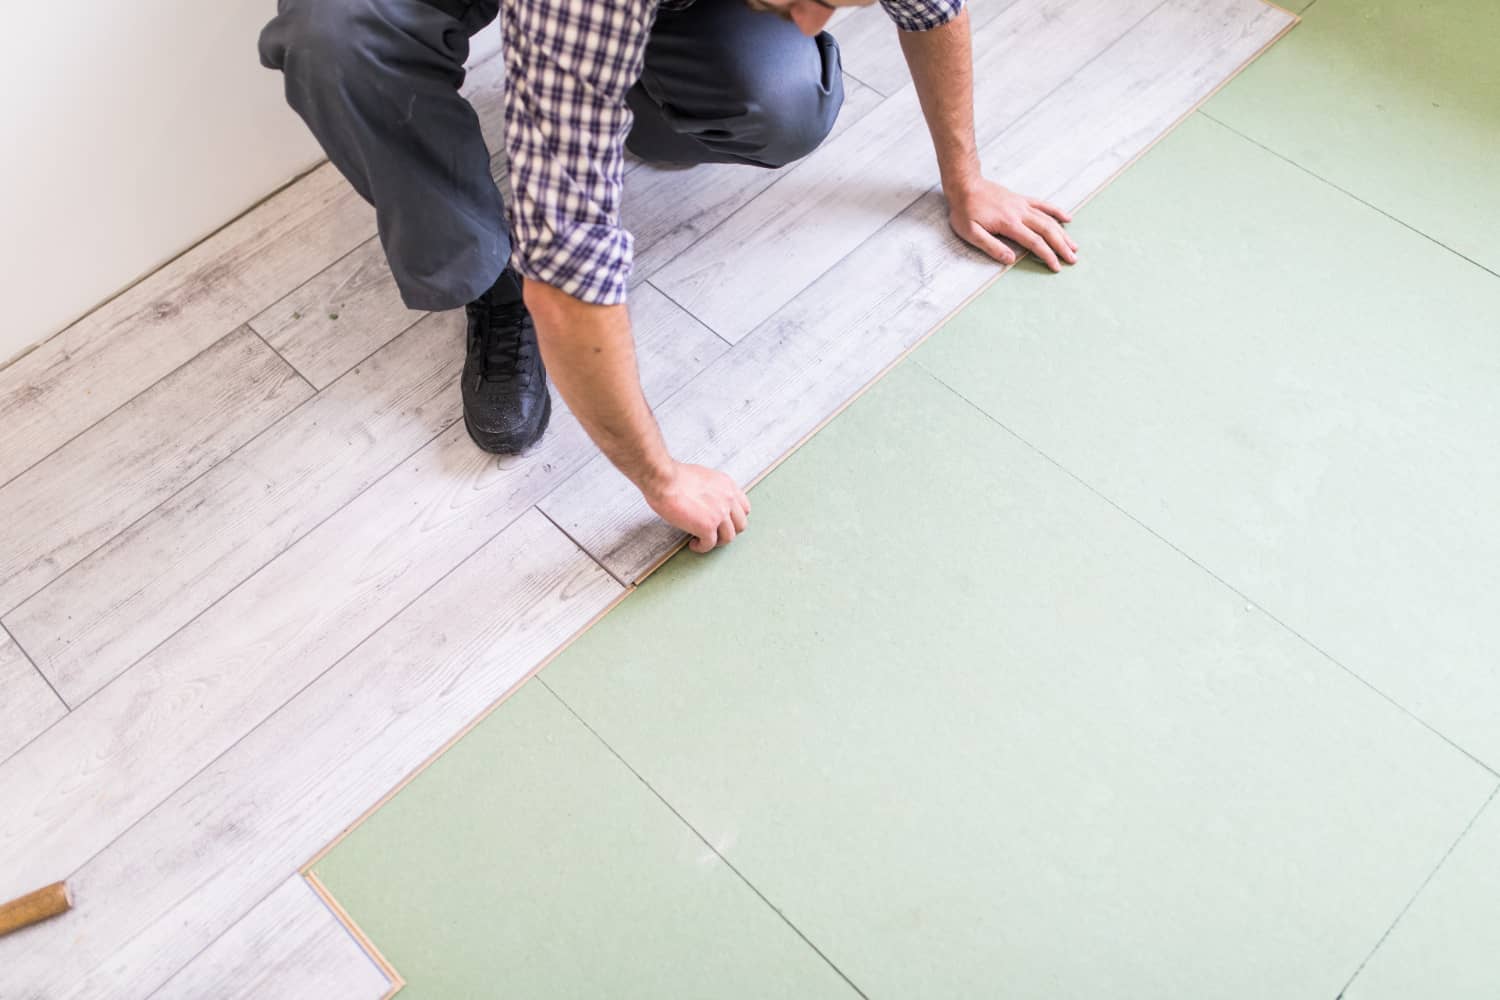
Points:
(981, 211)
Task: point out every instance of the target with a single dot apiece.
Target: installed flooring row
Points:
(239, 575)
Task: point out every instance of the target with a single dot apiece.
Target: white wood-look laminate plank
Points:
(117, 351)
(780, 382)
(291, 947)
(871, 48)
(102, 615)
(75, 499)
(762, 256)
(1121, 103)
(151, 328)
(191, 867)
(121, 753)
(27, 704)
(343, 314)
(667, 209)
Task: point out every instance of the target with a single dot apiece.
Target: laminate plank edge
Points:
(114, 606)
(77, 498)
(114, 758)
(309, 771)
(290, 946)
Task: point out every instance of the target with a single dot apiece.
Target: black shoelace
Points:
(502, 346)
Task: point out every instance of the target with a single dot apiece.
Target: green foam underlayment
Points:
(1115, 645)
(1395, 101)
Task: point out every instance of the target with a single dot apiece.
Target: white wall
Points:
(131, 129)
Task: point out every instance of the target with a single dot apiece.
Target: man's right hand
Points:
(704, 502)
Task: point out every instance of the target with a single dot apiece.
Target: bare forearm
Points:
(942, 69)
(590, 355)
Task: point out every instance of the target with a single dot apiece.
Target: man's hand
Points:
(590, 355)
(981, 211)
(704, 502)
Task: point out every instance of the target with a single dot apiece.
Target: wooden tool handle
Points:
(34, 907)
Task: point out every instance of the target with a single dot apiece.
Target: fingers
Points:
(1032, 240)
(1054, 235)
(986, 241)
(1047, 208)
(703, 544)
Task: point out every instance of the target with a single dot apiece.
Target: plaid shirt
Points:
(568, 65)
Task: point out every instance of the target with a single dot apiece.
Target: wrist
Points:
(961, 177)
(655, 477)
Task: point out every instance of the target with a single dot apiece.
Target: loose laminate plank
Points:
(187, 871)
(291, 947)
(121, 753)
(78, 497)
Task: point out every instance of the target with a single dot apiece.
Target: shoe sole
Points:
(497, 444)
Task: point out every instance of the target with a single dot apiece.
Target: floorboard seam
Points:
(704, 840)
(45, 680)
(1420, 889)
(316, 392)
(579, 545)
(248, 576)
(295, 371)
(1345, 191)
(1225, 583)
(289, 699)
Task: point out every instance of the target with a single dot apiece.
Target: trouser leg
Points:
(377, 83)
(725, 84)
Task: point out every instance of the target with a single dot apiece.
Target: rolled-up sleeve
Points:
(922, 15)
(568, 66)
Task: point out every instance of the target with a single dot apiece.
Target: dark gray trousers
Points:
(377, 82)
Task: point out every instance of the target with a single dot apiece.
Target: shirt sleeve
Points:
(922, 15)
(568, 66)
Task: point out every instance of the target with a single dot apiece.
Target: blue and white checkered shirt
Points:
(568, 66)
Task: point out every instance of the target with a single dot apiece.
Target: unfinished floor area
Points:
(1134, 637)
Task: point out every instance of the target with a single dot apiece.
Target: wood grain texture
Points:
(342, 315)
(27, 704)
(186, 872)
(291, 946)
(871, 48)
(121, 753)
(153, 327)
(667, 209)
(75, 499)
(752, 407)
(170, 315)
(773, 248)
(1114, 109)
(154, 577)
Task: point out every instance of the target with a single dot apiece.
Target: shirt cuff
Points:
(590, 262)
(922, 15)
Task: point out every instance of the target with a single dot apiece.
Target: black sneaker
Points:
(506, 405)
